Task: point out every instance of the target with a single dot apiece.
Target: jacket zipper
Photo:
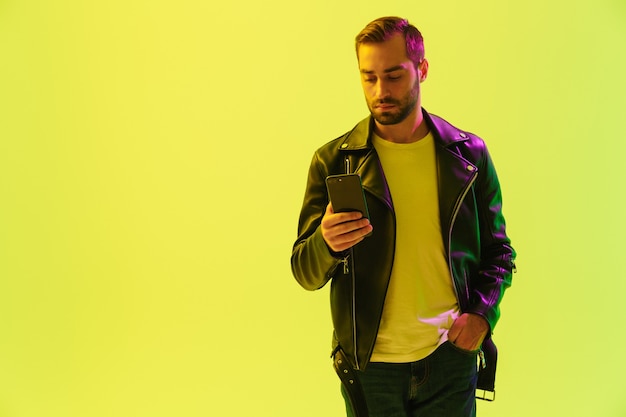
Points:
(353, 278)
(481, 355)
(454, 214)
(350, 269)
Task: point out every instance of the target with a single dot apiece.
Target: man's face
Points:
(390, 81)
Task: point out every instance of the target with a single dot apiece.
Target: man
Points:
(415, 290)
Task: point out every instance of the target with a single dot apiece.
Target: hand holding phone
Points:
(346, 221)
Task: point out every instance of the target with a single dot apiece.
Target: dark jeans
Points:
(441, 385)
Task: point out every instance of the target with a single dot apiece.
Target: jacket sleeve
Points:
(497, 256)
(312, 262)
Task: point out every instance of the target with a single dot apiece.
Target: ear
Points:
(422, 70)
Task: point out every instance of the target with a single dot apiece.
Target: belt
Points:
(350, 383)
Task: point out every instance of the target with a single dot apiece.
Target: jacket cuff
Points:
(322, 249)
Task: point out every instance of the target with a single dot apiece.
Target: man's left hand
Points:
(468, 331)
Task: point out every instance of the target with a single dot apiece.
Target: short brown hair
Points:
(383, 28)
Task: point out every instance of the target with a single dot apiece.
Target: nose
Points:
(382, 90)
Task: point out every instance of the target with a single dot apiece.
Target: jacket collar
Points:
(359, 138)
(455, 173)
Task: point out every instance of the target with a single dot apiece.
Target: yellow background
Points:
(153, 157)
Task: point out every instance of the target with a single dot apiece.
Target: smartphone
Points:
(346, 193)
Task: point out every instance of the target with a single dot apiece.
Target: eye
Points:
(394, 77)
(370, 80)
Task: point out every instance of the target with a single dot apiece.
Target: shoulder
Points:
(333, 145)
(356, 138)
(451, 136)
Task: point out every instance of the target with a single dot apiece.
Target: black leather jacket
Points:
(480, 257)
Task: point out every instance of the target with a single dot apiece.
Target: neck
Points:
(411, 129)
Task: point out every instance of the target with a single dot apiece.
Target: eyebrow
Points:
(386, 71)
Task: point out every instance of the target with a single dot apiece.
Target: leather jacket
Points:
(478, 250)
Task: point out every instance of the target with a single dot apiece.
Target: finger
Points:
(335, 219)
(345, 232)
(452, 336)
(354, 230)
(346, 235)
(341, 246)
(455, 330)
(347, 245)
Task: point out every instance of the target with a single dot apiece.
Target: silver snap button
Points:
(344, 145)
(463, 135)
(470, 168)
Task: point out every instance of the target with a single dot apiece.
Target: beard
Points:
(403, 107)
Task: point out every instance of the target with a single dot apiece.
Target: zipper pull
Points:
(346, 269)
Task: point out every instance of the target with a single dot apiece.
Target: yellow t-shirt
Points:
(421, 304)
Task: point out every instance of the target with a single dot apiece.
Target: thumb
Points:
(455, 330)
(453, 333)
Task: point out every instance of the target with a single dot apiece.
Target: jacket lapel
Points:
(364, 161)
(455, 176)
(455, 173)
